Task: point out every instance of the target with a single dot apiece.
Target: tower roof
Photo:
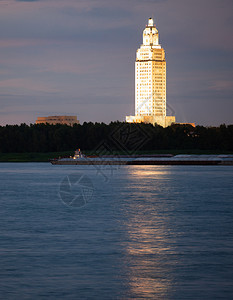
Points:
(151, 35)
(150, 22)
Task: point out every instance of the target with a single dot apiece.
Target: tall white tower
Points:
(150, 80)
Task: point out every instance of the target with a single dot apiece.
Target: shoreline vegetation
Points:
(42, 142)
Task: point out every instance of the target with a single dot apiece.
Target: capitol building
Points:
(150, 81)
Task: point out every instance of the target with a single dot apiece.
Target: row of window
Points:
(143, 82)
(150, 66)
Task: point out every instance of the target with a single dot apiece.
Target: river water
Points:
(126, 232)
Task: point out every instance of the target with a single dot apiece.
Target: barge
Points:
(166, 159)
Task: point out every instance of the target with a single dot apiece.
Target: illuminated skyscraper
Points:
(150, 81)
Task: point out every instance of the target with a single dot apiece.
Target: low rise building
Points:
(53, 120)
(192, 124)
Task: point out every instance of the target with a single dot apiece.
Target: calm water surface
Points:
(132, 232)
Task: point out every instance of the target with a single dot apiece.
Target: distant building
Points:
(192, 124)
(150, 81)
(68, 120)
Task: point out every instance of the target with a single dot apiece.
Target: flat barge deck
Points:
(211, 160)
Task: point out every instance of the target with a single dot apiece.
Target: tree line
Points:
(101, 138)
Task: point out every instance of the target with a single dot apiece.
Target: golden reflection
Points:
(150, 170)
(147, 243)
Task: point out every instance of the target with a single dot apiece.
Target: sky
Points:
(76, 57)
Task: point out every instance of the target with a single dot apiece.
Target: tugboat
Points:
(78, 154)
(72, 160)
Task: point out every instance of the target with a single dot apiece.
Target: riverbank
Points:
(32, 157)
(45, 157)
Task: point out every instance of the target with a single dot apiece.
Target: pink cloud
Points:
(12, 43)
(26, 86)
(221, 85)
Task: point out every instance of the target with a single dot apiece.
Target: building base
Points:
(162, 121)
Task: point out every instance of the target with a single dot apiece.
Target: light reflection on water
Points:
(148, 272)
(147, 231)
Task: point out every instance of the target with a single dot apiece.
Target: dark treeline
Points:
(117, 136)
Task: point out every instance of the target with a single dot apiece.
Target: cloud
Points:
(14, 43)
(222, 86)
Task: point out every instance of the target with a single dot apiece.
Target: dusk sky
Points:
(76, 57)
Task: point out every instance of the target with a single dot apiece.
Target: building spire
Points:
(150, 22)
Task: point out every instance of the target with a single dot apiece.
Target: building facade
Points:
(150, 81)
(53, 120)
